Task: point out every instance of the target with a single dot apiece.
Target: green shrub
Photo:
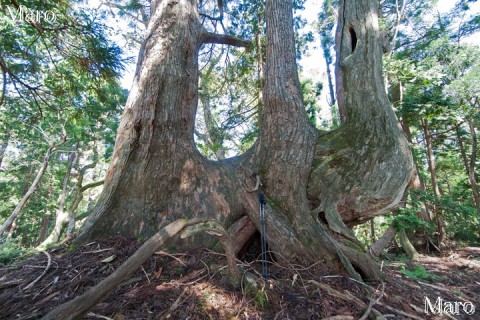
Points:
(419, 273)
(9, 251)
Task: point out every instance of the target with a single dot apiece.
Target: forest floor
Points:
(194, 285)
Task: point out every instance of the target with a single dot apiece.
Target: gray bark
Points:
(378, 246)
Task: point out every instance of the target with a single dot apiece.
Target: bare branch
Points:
(433, 135)
(209, 37)
(4, 86)
(92, 185)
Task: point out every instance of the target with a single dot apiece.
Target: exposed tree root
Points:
(43, 273)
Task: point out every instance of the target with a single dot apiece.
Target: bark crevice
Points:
(157, 176)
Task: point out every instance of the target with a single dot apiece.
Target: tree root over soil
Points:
(196, 284)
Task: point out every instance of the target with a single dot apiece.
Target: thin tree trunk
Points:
(42, 234)
(373, 238)
(61, 214)
(78, 198)
(473, 158)
(399, 10)
(417, 181)
(407, 246)
(7, 224)
(11, 230)
(431, 159)
(378, 246)
(3, 147)
(469, 162)
(213, 138)
(433, 175)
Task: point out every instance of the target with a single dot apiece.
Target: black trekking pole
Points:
(263, 239)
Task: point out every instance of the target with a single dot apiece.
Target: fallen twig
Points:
(146, 275)
(403, 313)
(167, 314)
(346, 297)
(43, 273)
(91, 314)
(98, 251)
(10, 283)
(373, 302)
(171, 256)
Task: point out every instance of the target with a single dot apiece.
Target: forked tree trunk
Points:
(356, 172)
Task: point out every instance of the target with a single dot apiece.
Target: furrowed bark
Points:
(154, 150)
(313, 183)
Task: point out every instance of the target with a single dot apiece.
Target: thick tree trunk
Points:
(356, 172)
(156, 174)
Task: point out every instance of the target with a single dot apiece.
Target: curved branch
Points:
(257, 184)
(92, 185)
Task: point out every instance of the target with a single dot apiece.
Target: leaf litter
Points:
(195, 285)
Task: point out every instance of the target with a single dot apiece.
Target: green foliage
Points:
(61, 81)
(311, 93)
(418, 273)
(261, 299)
(9, 251)
(462, 220)
(407, 218)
